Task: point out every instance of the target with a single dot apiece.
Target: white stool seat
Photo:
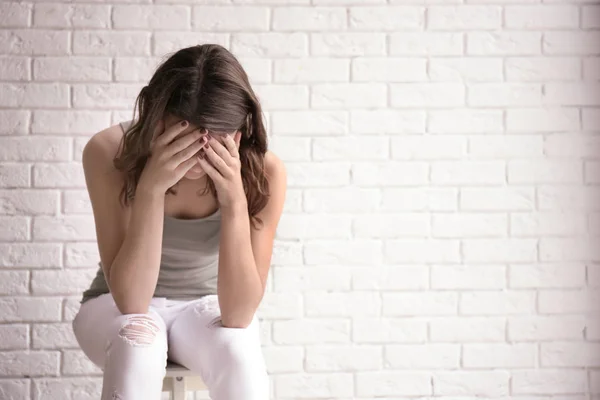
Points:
(179, 380)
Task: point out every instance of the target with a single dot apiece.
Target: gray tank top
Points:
(189, 258)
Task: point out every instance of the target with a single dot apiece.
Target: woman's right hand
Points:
(170, 159)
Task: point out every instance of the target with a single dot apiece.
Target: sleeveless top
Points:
(189, 258)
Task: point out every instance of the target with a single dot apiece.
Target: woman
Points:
(186, 200)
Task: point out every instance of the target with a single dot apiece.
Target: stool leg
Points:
(179, 388)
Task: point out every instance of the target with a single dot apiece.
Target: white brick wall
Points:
(440, 235)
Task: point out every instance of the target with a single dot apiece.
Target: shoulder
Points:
(102, 147)
(274, 168)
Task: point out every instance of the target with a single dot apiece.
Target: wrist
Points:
(148, 191)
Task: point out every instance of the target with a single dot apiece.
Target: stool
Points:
(179, 380)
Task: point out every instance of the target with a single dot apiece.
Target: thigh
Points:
(97, 322)
(197, 338)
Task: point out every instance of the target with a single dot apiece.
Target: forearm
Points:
(134, 271)
(239, 286)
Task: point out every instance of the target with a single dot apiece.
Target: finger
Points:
(170, 134)
(210, 170)
(217, 161)
(185, 166)
(231, 146)
(188, 152)
(220, 149)
(183, 142)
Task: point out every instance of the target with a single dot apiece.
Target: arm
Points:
(245, 253)
(129, 239)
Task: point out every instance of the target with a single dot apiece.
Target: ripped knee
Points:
(139, 330)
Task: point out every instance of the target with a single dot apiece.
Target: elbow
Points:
(238, 322)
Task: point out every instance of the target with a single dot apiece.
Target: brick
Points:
(14, 228)
(391, 383)
(49, 15)
(589, 16)
(344, 95)
(545, 328)
(547, 224)
(426, 43)
(548, 381)
(311, 331)
(69, 122)
(308, 18)
(391, 226)
(541, 17)
(429, 147)
(465, 121)
(390, 278)
(79, 69)
(463, 69)
(281, 359)
(58, 175)
(421, 250)
(506, 43)
(505, 302)
(14, 122)
(354, 148)
(323, 174)
(332, 304)
(318, 226)
(468, 225)
(418, 95)
(298, 279)
(468, 172)
(504, 95)
(13, 337)
(539, 69)
(388, 330)
(348, 44)
(343, 358)
(468, 276)
(422, 356)
(419, 199)
(313, 122)
(281, 305)
(37, 363)
(15, 389)
(64, 387)
(34, 95)
(75, 362)
(111, 43)
(34, 42)
(281, 97)
(389, 69)
(170, 42)
(591, 119)
(29, 309)
(287, 253)
(315, 385)
(571, 94)
(544, 171)
(464, 17)
(52, 336)
(506, 146)
(501, 355)
(341, 200)
(569, 355)
(390, 173)
(421, 303)
(64, 228)
(30, 255)
(13, 15)
(271, 44)
(497, 199)
(13, 283)
(467, 329)
(571, 43)
(151, 17)
(309, 70)
(387, 121)
(62, 282)
(547, 276)
(569, 249)
(542, 120)
(499, 250)
(13, 69)
(34, 148)
(344, 252)
(389, 18)
(229, 18)
(472, 383)
(574, 301)
(29, 202)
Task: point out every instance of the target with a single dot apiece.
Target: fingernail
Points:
(184, 123)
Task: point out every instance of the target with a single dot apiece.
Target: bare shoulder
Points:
(274, 167)
(101, 148)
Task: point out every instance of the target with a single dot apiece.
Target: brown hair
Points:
(206, 85)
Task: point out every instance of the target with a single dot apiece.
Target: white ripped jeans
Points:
(132, 349)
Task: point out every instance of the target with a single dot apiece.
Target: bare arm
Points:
(129, 240)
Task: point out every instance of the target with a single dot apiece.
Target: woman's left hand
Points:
(221, 162)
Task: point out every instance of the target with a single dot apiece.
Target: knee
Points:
(141, 330)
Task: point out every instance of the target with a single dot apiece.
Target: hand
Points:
(170, 159)
(221, 162)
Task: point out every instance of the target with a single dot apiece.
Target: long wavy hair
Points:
(206, 85)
